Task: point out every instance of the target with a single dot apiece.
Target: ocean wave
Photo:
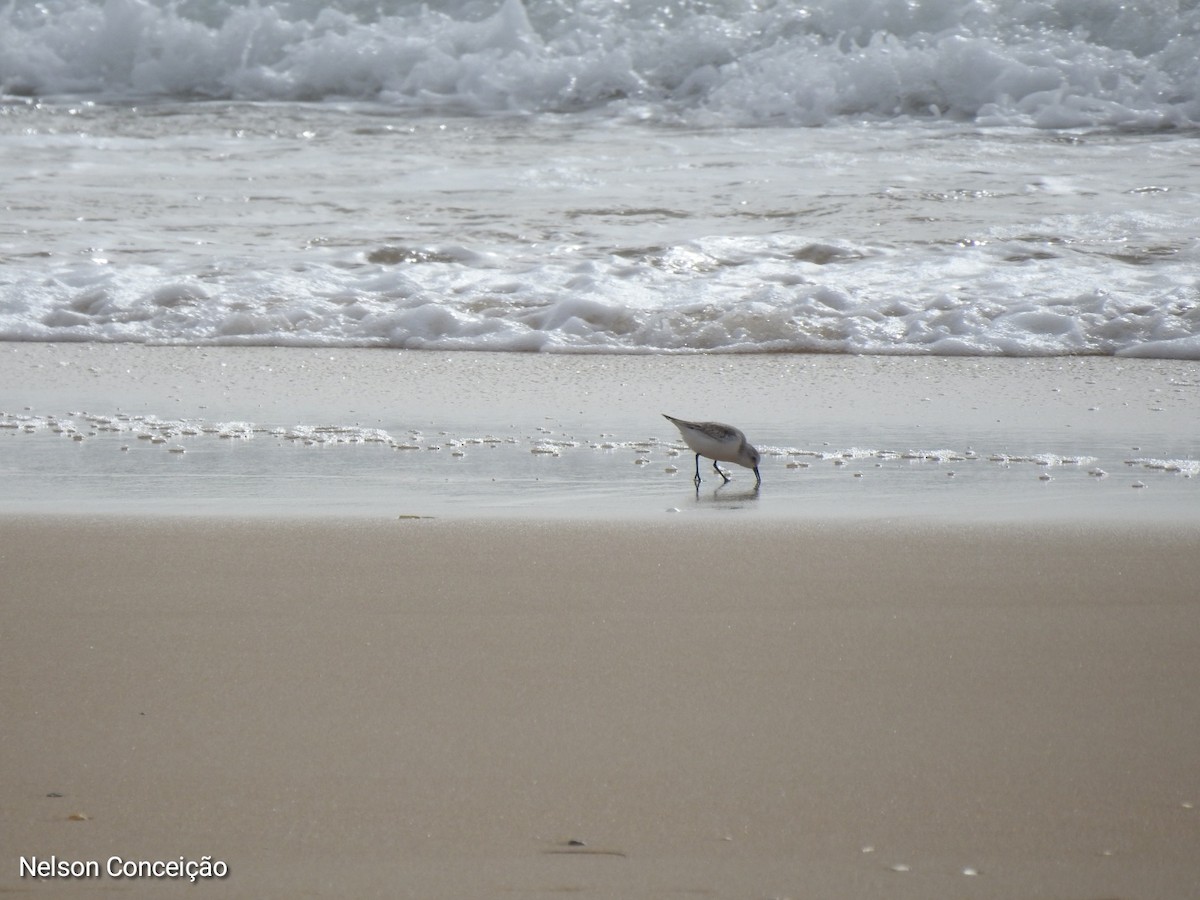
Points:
(1043, 63)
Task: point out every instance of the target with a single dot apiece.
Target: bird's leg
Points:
(719, 472)
(697, 470)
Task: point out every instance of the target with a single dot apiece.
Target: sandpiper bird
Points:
(717, 442)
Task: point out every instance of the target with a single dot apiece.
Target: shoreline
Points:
(268, 432)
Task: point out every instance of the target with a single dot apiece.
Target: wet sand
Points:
(98, 429)
(969, 702)
(442, 709)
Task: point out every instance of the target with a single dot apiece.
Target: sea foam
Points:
(604, 178)
(723, 302)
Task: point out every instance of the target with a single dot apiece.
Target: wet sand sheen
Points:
(243, 431)
(439, 709)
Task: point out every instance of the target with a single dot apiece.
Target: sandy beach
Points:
(733, 698)
(429, 709)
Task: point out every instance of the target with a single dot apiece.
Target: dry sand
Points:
(715, 703)
(438, 709)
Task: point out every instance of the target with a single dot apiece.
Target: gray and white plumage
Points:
(718, 442)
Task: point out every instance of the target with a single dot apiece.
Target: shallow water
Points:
(285, 472)
(312, 225)
(254, 432)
